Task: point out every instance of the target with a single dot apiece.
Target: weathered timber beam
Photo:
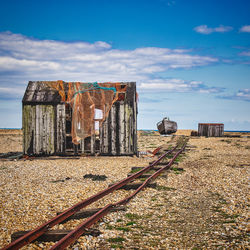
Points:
(51, 158)
(136, 185)
(160, 163)
(89, 212)
(53, 235)
(139, 168)
(148, 175)
(178, 169)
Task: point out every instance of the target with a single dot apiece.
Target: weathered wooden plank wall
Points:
(60, 129)
(29, 117)
(211, 129)
(44, 126)
(38, 125)
(118, 133)
(44, 129)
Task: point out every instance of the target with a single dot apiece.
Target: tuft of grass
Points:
(109, 227)
(238, 145)
(3, 167)
(158, 205)
(115, 240)
(95, 177)
(135, 171)
(228, 221)
(116, 246)
(124, 229)
(168, 157)
(179, 158)
(131, 223)
(178, 170)
(133, 216)
(149, 215)
(216, 209)
(226, 140)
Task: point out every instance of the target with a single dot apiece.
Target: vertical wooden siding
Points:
(118, 133)
(38, 125)
(210, 130)
(44, 129)
(29, 128)
(60, 129)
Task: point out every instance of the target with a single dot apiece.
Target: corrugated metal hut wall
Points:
(211, 129)
(46, 125)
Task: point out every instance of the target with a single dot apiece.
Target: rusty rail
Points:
(76, 233)
(37, 232)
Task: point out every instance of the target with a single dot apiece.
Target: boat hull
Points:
(166, 127)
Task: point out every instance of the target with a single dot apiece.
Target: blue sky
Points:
(190, 58)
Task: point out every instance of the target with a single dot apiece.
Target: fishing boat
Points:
(166, 127)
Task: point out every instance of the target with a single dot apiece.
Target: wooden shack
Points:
(211, 129)
(47, 123)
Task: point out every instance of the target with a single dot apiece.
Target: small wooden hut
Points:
(47, 124)
(211, 129)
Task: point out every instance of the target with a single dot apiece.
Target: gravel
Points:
(205, 206)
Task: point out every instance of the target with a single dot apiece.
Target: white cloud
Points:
(23, 58)
(245, 28)
(176, 85)
(9, 90)
(223, 29)
(204, 29)
(241, 95)
(244, 94)
(245, 53)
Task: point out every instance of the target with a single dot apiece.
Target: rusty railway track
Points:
(77, 232)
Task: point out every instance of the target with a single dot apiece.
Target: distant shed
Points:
(211, 129)
(47, 123)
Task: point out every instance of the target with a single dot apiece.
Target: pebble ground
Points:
(203, 207)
